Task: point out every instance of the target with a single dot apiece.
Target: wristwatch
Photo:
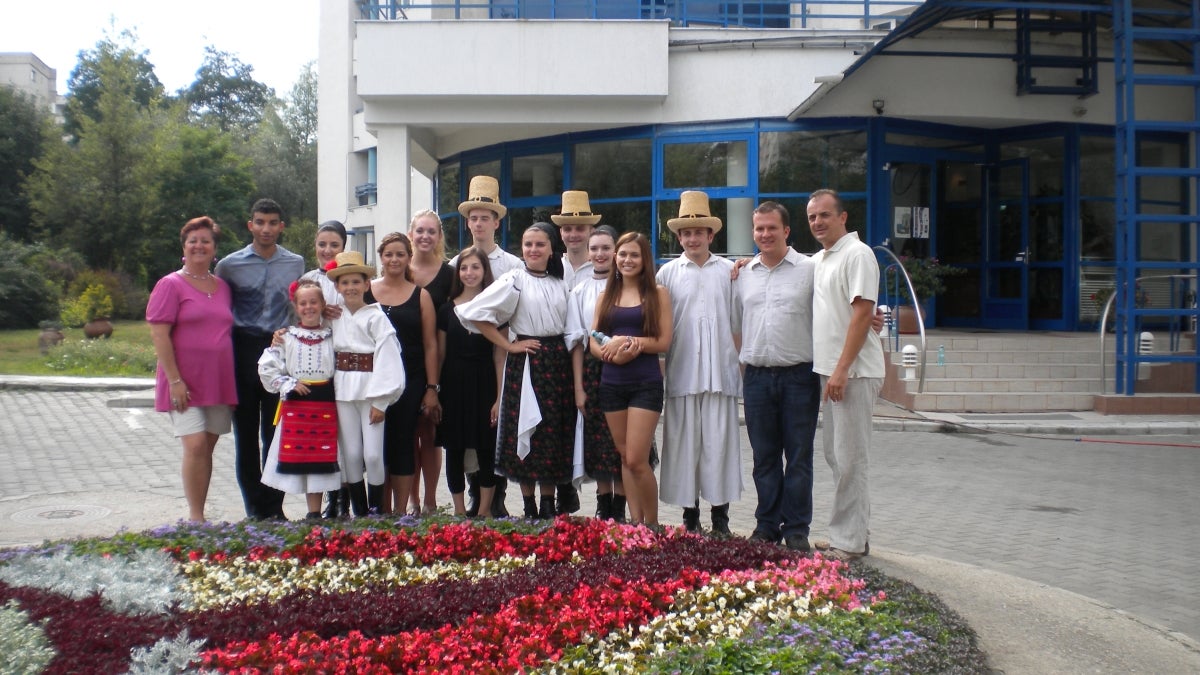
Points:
(437, 388)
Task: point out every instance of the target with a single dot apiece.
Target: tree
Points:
(86, 81)
(300, 108)
(96, 196)
(200, 174)
(283, 169)
(20, 144)
(225, 92)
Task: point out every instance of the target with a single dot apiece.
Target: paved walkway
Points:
(1062, 538)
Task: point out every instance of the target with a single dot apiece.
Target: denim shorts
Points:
(618, 397)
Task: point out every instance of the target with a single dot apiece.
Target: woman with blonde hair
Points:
(636, 312)
(431, 272)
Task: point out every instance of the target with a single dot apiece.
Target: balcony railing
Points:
(681, 13)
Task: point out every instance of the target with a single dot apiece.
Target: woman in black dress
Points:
(410, 309)
(469, 370)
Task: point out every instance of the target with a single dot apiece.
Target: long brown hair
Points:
(456, 284)
(647, 286)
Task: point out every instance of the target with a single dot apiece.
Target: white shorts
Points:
(215, 419)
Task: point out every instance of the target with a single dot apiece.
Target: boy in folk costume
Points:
(368, 379)
(701, 448)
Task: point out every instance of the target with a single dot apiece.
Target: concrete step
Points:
(969, 385)
(1010, 402)
(1028, 358)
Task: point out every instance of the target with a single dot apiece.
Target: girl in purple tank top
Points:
(636, 312)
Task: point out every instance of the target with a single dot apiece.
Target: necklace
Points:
(536, 273)
(198, 277)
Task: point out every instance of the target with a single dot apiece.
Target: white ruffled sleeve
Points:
(387, 376)
(495, 305)
(577, 324)
(273, 373)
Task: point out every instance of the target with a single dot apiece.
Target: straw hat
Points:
(576, 210)
(484, 193)
(348, 262)
(694, 212)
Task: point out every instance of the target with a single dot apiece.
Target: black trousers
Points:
(253, 427)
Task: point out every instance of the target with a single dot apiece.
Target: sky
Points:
(276, 37)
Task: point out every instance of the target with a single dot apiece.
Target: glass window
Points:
(803, 161)
(1097, 230)
(1046, 230)
(1045, 163)
(1097, 166)
(912, 140)
(537, 175)
(613, 169)
(960, 300)
(709, 164)
(448, 189)
(491, 168)
(1046, 294)
(959, 231)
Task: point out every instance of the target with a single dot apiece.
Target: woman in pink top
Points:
(191, 324)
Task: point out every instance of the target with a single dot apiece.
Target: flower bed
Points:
(442, 596)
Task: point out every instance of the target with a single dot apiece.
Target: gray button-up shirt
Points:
(260, 287)
(773, 311)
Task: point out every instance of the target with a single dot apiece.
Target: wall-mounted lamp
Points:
(878, 104)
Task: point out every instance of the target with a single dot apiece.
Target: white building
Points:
(1048, 148)
(27, 73)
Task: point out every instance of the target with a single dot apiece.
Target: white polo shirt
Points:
(845, 272)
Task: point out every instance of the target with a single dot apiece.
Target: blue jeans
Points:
(781, 421)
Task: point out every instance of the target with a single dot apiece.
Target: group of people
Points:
(542, 369)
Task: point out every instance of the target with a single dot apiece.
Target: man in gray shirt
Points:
(259, 276)
(773, 314)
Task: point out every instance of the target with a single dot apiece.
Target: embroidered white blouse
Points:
(306, 354)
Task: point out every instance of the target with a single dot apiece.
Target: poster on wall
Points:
(911, 222)
(920, 222)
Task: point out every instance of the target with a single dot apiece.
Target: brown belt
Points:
(355, 361)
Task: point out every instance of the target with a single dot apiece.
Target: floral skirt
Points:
(552, 445)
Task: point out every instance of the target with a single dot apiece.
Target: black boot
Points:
(499, 510)
(546, 512)
(333, 504)
(618, 508)
(720, 521)
(568, 498)
(343, 503)
(358, 498)
(472, 495)
(531, 511)
(691, 518)
(375, 499)
(604, 506)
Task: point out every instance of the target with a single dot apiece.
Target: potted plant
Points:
(91, 310)
(928, 280)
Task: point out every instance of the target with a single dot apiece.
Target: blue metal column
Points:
(1133, 26)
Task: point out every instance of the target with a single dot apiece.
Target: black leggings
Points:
(454, 469)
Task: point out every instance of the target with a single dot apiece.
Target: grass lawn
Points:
(128, 352)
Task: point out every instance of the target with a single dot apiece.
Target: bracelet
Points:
(179, 381)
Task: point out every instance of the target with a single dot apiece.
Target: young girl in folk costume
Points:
(537, 419)
(636, 312)
(601, 461)
(470, 367)
(303, 458)
(368, 379)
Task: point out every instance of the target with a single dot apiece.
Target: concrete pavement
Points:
(1062, 538)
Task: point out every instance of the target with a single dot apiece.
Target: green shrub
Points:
(94, 303)
(128, 298)
(26, 295)
(102, 357)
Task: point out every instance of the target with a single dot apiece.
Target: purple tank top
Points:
(643, 369)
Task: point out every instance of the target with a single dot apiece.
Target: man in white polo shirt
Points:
(849, 359)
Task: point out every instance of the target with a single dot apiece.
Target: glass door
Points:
(1006, 267)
